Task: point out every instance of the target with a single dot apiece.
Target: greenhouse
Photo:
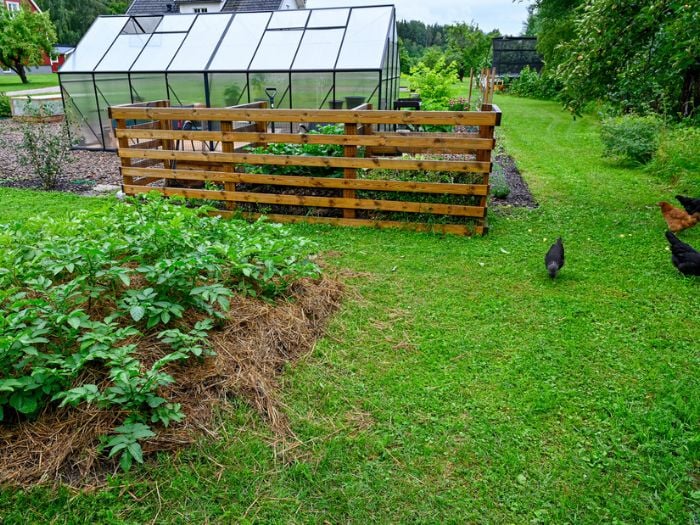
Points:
(312, 58)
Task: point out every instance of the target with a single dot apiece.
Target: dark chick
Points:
(683, 256)
(554, 260)
(692, 206)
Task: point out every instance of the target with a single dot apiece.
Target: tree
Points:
(73, 17)
(554, 24)
(468, 47)
(25, 38)
(642, 56)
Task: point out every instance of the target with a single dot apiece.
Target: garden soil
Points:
(252, 348)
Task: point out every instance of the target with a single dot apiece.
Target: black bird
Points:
(691, 205)
(683, 256)
(554, 260)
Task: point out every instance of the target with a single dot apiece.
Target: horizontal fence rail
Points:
(420, 170)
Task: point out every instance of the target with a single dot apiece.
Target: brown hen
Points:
(676, 218)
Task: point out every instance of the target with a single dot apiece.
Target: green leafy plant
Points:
(80, 294)
(631, 137)
(499, 186)
(532, 84)
(45, 148)
(434, 84)
(5, 109)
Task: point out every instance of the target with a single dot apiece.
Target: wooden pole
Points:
(471, 83)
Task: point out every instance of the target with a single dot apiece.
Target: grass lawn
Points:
(460, 384)
(13, 83)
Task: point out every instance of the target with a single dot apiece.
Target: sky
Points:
(504, 15)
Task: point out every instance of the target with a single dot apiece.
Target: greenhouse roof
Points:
(333, 39)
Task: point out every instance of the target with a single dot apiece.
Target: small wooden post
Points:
(350, 173)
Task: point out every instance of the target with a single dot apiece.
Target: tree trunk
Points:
(690, 94)
(19, 69)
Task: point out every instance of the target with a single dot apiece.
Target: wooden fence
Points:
(386, 169)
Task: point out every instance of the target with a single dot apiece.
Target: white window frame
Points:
(13, 6)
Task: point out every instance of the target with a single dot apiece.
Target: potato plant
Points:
(83, 292)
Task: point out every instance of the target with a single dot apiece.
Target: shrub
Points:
(5, 109)
(533, 85)
(45, 148)
(631, 137)
(434, 84)
(78, 295)
(499, 186)
(678, 158)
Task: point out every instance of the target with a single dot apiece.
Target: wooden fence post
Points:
(228, 147)
(350, 173)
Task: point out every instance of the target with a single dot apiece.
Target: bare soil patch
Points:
(252, 348)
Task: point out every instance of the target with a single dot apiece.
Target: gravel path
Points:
(87, 171)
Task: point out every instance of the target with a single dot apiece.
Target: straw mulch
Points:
(61, 445)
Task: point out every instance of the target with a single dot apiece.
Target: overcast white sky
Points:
(505, 15)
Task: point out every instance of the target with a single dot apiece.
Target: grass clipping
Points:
(251, 350)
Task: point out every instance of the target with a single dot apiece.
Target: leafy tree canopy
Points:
(25, 38)
(642, 56)
(73, 17)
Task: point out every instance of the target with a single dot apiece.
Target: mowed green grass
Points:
(13, 83)
(459, 384)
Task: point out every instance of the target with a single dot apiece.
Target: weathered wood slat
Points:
(465, 118)
(447, 142)
(149, 144)
(323, 202)
(457, 229)
(313, 182)
(324, 162)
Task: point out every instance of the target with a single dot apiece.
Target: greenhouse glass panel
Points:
(312, 90)
(200, 43)
(148, 87)
(259, 81)
(81, 110)
(124, 51)
(94, 44)
(228, 89)
(112, 90)
(276, 50)
(318, 50)
(174, 24)
(240, 42)
(289, 19)
(139, 25)
(158, 52)
(365, 39)
(186, 89)
(357, 87)
(328, 18)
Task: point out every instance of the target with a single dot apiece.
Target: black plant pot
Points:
(353, 102)
(335, 104)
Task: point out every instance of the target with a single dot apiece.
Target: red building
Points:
(16, 5)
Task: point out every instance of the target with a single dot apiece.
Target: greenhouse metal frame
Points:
(313, 58)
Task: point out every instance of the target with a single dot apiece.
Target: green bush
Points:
(77, 294)
(499, 186)
(677, 159)
(631, 137)
(5, 110)
(434, 84)
(533, 85)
